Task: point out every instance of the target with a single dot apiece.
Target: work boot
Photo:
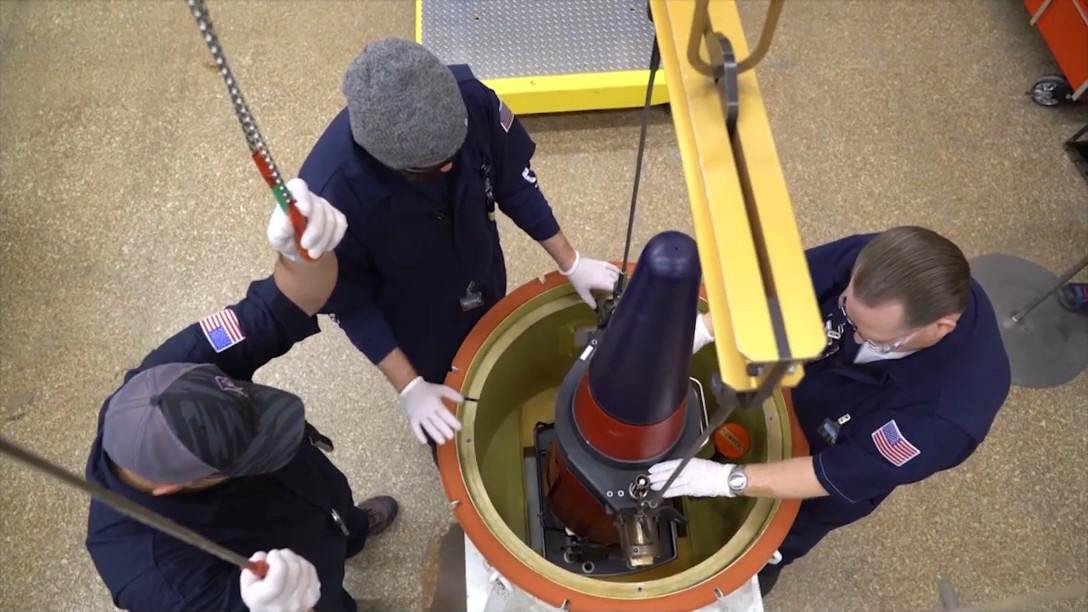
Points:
(1074, 297)
(380, 513)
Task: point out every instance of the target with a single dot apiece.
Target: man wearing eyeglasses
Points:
(909, 383)
(418, 161)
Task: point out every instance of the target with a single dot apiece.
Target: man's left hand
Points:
(589, 274)
(700, 478)
(291, 584)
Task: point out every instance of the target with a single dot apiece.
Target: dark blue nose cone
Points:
(640, 373)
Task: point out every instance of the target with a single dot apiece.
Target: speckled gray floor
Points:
(130, 208)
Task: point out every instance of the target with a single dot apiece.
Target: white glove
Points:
(325, 226)
(588, 274)
(422, 402)
(703, 336)
(291, 584)
(700, 478)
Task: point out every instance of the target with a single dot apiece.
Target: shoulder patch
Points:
(893, 446)
(529, 176)
(222, 330)
(506, 116)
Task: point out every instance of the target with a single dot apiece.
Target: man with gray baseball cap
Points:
(192, 423)
(418, 160)
(190, 436)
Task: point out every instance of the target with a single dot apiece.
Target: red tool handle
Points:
(298, 222)
(259, 568)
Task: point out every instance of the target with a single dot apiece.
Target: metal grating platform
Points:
(525, 38)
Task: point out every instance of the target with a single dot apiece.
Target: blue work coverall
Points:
(898, 421)
(148, 571)
(413, 250)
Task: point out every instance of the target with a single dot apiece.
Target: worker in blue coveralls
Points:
(191, 437)
(909, 383)
(418, 161)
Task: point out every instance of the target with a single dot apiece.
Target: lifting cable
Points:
(724, 70)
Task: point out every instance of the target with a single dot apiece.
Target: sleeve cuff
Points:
(530, 211)
(825, 481)
(368, 332)
(543, 229)
(376, 345)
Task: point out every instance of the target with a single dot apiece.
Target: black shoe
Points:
(1074, 297)
(380, 513)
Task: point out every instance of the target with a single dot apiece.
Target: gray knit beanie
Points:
(404, 105)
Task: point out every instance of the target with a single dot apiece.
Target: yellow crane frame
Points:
(766, 319)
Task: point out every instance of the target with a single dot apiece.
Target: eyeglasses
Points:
(877, 347)
(431, 169)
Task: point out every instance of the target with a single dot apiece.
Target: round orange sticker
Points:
(732, 441)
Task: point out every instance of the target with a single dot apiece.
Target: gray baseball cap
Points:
(179, 422)
(404, 105)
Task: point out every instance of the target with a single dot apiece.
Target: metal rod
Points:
(259, 152)
(241, 109)
(701, 25)
(764, 44)
(126, 506)
(946, 596)
(1019, 316)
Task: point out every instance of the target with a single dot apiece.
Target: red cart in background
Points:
(1064, 26)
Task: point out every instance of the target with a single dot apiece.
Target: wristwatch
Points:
(737, 481)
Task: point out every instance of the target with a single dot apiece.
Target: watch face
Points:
(737, 481)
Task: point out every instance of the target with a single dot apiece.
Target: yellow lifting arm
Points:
(756, 275)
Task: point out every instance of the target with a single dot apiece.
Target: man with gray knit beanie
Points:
(418, 161)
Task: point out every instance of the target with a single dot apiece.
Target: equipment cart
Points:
(1064, 26)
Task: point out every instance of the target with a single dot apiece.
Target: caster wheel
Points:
(1051, 90)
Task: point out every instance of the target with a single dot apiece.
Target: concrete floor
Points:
(130, 208)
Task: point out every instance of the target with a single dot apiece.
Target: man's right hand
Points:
(291, 584)
(325, 226)
(422, 402)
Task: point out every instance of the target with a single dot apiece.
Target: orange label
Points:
(732, 441)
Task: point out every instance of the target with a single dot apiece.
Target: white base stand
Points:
(486, 591)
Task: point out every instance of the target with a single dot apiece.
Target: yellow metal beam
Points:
(756, 276)
(566, 93)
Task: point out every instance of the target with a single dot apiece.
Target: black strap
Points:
(647, 108)
(316, 438)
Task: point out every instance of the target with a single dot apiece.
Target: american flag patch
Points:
(891, 443)
(222, 330)
(506, 116)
